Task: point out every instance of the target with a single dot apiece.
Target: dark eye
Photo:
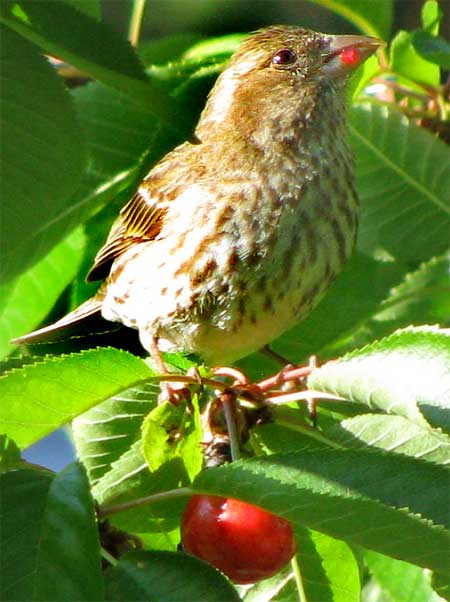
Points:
(284, 58)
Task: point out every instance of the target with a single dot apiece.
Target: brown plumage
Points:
(229, 241)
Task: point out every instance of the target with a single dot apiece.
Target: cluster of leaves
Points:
(367, 491)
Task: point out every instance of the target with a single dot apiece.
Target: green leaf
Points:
(391, 433)
(167, 49)
(129, 479)
(43, 153)
(84, 37)
(405, 61)
(9, 454)
(372, 18)
(402, 581)
(40, 397)
(328, 569)
(162, 576)
(124, 140)
(441, 584)
(91, 8)
(119, 133)
(50, 546)
(433, 49)
(404, 202)
(89, 45)
(340, 570)
(431, 16)
(362, 77)
(281, 587)
(371, 499)
(215, 48)
(172, 431)
(108, 430)
(407, 374)
(32, 295)
(422, 296)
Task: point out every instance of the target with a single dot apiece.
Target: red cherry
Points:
(350, 55)
(243, 541)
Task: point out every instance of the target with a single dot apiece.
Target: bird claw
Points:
(175, 393)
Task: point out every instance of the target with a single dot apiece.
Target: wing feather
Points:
(140, 220)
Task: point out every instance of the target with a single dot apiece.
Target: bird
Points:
(235, 235)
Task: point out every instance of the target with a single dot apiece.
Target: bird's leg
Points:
(173, 392)
(274, 355)
(287, 384)
(239, 377)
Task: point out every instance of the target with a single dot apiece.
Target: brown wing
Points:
(140, 220)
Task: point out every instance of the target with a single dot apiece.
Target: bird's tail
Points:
(91, 307)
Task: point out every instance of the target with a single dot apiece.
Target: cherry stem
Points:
(298, 579)
(105, 511)
(284, 376)
(228, 403)
(239, 377)
(259, 392)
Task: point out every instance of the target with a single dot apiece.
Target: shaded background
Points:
(218, 17)
(211, 18)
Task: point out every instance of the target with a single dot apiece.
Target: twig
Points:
(136, 19)
(105, 511)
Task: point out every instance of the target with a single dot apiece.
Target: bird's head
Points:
(279, 68)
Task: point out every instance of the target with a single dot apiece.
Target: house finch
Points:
(233, 237)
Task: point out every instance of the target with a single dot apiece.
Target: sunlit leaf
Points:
(407, 374)
(109, 429)
(40, 397)
(399, 579)
(128, 479)
(170, 431)
(405, 60)
(391, 433)
(431, 16)
(404, 201)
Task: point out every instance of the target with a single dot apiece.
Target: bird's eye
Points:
(284, 58)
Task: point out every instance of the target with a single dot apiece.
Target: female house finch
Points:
(234, 237)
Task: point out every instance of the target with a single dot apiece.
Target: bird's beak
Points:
(346, 53)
